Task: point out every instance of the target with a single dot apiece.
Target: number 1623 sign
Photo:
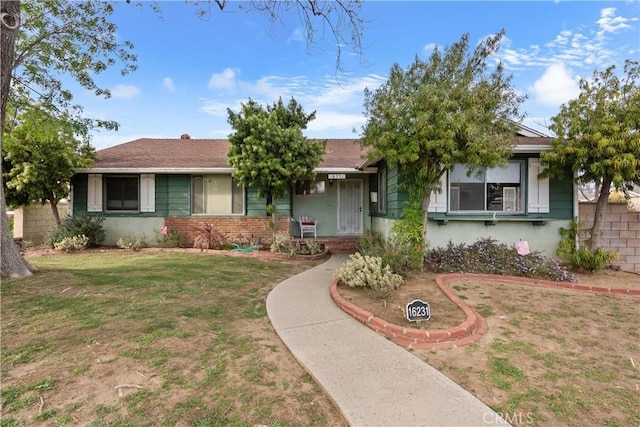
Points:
(418, 310)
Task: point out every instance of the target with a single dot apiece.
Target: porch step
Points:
(337, 245)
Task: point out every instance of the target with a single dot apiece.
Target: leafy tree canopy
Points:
(446, 110)
(598, 136)
(41, 152)
(268, 149)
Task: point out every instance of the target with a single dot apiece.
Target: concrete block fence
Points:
(31, 223)
(620, 233)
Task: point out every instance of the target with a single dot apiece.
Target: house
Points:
(142, 185)
(506, 204)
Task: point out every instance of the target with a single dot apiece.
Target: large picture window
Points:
(310, 188)
(493, 190)
(216, 195)
(122, 193)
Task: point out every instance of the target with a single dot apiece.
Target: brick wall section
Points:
(620, 233)
(233, 228)
(31, 223)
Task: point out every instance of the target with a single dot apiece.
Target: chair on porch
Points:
(307, 225)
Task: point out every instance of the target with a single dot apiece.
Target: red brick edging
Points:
(469, 331)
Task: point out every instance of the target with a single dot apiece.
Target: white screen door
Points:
(350, 207)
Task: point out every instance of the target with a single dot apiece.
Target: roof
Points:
(189, 155)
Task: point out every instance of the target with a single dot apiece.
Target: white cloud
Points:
(224, 80)
(123, 91)
(168, 84)
(296, 36)
(429, 47)
(556, 86)
(333, 123)
(610, 23)
(215, 109)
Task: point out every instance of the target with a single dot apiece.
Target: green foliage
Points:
(592, 261)
(72, 226)
(132, 243)
(268, 150)
(408, 230)
(40, 155)
(568, 240)
(168, 238)
(402, 258)
(207, 237)
(364, 271)
(75, 243)
(486, 256)
(446, 110)
(284, 244)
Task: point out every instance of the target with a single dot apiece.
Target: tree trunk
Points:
(425, 214)
(12, 264)
(274, 219)
(54, 209)
(601, 211)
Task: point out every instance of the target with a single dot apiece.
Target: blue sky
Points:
(191, 70)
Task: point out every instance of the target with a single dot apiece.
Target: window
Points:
(382, 190)
(310, 188)
(216, 195)
(122, 193)
(493, 190)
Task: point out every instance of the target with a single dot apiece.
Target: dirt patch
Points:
(551, 356)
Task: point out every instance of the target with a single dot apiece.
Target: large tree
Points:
(598, 137)
(41, 153)
(40, 41)
(452, 108)
(269, 151)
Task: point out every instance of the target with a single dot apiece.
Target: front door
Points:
(350, 214)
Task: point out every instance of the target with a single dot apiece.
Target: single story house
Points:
(142, 185)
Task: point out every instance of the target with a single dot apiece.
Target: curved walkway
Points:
(373, 381)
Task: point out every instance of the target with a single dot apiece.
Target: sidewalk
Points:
(373, 381)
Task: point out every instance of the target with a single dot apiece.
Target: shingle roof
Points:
(148, 153)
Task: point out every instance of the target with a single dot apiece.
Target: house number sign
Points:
(418, 310)
(337, 176)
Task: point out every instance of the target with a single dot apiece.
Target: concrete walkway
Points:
(373, 381)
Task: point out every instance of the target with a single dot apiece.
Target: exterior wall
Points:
(31, 223)
(620, 233)
(542, 238)
(234, 228)
(117, 227)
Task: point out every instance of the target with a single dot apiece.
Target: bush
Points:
(71, 226)
(486, 256)
(168, 238)
(132, 243)
(402, 258)
(283, 244)
(75, 243)
(584, 259)
(208, 237)
(363, 271)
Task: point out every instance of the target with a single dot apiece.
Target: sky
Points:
(191, 69)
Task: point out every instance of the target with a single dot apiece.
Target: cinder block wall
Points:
(620, 233)
(233, 228)
(31, 223)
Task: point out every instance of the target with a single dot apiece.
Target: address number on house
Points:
(418, 310)
(337, 176)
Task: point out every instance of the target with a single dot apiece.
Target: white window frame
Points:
(382, 190)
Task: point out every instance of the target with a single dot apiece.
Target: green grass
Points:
(178, 324)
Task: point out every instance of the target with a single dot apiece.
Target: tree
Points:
(40, 41)
(440, 112)
(598, 137)
(269, 151)
(43, 40)
(41, 153)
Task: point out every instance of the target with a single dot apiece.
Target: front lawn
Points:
(148, 339)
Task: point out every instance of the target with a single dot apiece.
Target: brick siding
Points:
(620, 233)
(233, 228)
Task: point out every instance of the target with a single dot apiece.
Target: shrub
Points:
(208, 237)
(584, 259)
(363, 271)
(132, 243)
(489, 257)
(89, 226)
(283, 244)
(402, 258)
(75, 243)
(168, 238)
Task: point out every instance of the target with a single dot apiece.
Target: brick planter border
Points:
(467, 332)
